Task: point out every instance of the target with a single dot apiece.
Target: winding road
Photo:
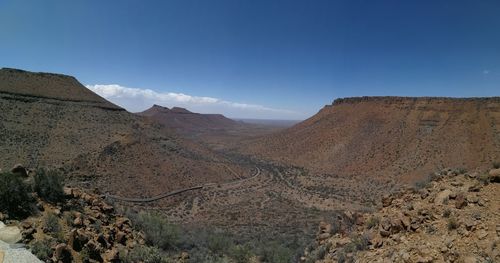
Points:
(179, 191)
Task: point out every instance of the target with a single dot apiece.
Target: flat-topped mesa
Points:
(49, 86)
(184, 120)
(396, 99)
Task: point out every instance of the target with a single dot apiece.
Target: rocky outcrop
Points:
(89, 229)
(456, 220)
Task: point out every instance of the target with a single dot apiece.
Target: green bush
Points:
(276, 253)
(51, 225)
(483, 178)
(159, 232)
(42, 249)
(48, 185)
(219, 243)
(452, 223)
(447, 213)
(144, 254)
(496, 165)
(240, 253)
(372, 222)
(14, 196)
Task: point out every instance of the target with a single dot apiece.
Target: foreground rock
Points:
(9, 234)
(16, 255)
(82, 228)
(455, 218)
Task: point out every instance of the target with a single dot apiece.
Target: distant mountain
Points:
(53, 120)
(183, 120)
(390, 137)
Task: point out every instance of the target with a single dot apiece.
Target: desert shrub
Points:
(460, 170)
(51, 225)
(159, 232)
(426, 181)
(483, 178)
(447, 213)
(68, 218)
(276, 253)
(496, 165)
(48, 185)
(14, 196)
(452, 223)
(144, 254)
(341, 257)
(240, 253)
(372, 222)
(476, 215)
(218, 243)
(362, 242)
(42, 249)
(336, 226)
(358, 243)
(85, 255)
(321, 252)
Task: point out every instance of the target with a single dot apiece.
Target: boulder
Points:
(10, 234)
(494, 175)
(387, 200)
(424, 193)
(122, 222)
(78, 238)
(460, 201)
(19, 170)
(78, 221)
(481, 234)
(94, 250)
(475, 188)
(62, 253)
(16, 255)
(27, 235)
(472, 199)
(68, 191)
(112, 255)
(121, 237)
(442, 196)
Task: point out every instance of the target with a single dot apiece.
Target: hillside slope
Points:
(52, 120)
(381, 136)
(182, 120)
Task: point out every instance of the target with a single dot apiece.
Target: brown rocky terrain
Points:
(263, 187)
(369, 144)
(453, 218)
(52, 120)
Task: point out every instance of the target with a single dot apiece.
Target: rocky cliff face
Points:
(382, 136)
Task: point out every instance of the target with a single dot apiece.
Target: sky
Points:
(257, 59)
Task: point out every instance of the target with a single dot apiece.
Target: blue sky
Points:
(257, 59)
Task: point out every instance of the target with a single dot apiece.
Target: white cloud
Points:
(134, 100)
